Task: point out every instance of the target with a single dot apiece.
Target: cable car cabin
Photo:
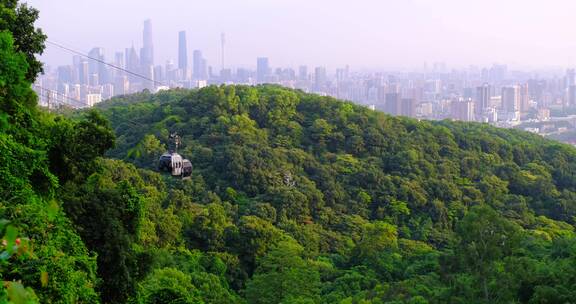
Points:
(176, 164)
(186, 168)
(165, 162)
(172, 163)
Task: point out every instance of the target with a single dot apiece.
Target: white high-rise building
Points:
(463, 109)
(92, 99)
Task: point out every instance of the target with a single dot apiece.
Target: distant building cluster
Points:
(92, 78)
(494, 95)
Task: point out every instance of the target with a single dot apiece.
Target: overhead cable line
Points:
(49, 104)
(103, 62)
(77, 102)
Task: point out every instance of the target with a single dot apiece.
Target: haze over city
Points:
(482, 61)
(364, 34)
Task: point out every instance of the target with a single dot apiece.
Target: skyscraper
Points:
(200, 69)
(97, 67)
(482, 99)
(148, 71)
(170, 71)
(303, 73)
(511, 99)
(97, 53)
(132, 62)
(147, 52)
(182, 51)
(121, 85)
(462, 109)
(243, 75)
(320, 78)
(536, 88)
(83, 72)
(94, 80)
(408, 107)
(524, 98)
(392, 105)
(262, 69)
(64, 89)
(159, 73)
(76, 68)
(127, 60)
(65, 74)
(119, 59)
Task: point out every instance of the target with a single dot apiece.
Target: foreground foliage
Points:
(56, 262)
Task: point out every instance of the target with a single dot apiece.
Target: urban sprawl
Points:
(495, 95)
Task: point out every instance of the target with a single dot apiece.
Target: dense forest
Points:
(307, 199)
(294, 198)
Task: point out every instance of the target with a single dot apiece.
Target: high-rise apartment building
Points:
(462, 109)
(122, 85)
(83, 72)
(524, 98)
(408, 107)
(392, 105)
(482, 99)
(511, 99)
(93, 98)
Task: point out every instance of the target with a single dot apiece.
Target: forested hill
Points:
(343, 159)
(297, 198)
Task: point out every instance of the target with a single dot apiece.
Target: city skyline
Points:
(502, 97)
(495, 93)
(384, 34)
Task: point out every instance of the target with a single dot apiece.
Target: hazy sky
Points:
(361, 33)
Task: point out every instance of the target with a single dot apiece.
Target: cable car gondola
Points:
(173, 162)
(186, 168)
